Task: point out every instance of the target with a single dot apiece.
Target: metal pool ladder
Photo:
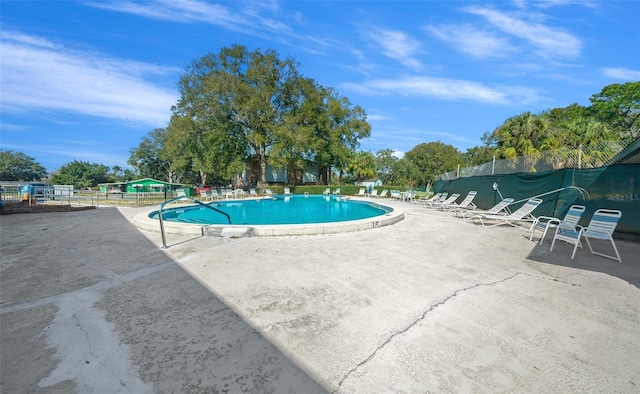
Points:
(164, 237)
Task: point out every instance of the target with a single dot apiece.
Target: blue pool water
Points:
(297, 209)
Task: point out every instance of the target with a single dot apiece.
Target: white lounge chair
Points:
(448, 201)
(253, 193)
(383, 193)
(374, 193)
(570, 222)
(522, 214)
(466, 205)
(180, 193)
(425, 200)
(361, 192)
(287, 191)
(498, 209)
(437, 198)
(602, 225)
(326, 191)
(336, 192)
(395, 194)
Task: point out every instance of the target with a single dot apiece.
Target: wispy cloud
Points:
(242, 17)
(444, 89)
(549, 42)
(397, 45)
(556, 3)
(468, 39)
(622, 74)
(38, 74)
(67, 151)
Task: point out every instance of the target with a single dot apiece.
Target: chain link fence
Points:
(581, 157)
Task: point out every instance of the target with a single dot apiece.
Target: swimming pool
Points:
(296, 209)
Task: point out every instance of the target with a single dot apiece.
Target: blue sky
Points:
(88, 80)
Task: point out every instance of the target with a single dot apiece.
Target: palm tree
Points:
(522, 135)
(362, 165)
(116, 170)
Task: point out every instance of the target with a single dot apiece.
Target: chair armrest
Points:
(548, 219)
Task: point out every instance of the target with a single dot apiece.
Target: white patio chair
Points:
(602, 225)
(374, 193)
(361, 192)
(522, 214)
(383, 193)
(214, 195)
(336, 192)
(326, 191)
(287, 191)
(570, 222)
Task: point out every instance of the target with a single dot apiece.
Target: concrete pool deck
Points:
(433, 303)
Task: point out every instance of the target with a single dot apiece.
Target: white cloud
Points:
(557, 3)
(242, 17)
(550, 42)
(397, 45)
(398, 153)
(470, 40)
(37, 74)
(445, 89)
(377, 117)
(622, 74)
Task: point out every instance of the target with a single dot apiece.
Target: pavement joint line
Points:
(419, 319)
(105, 284)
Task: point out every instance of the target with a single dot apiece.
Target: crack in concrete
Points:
(551, 279)
(422, 317)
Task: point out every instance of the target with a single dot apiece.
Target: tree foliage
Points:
(149, 159)
(236, 104)
(16, 166)
(385, 163)
(619, 106)
(432, 159)
(81, 174)
(243, 95)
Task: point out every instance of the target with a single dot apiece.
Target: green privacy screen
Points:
(613, 187)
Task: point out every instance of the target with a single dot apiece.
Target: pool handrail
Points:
(164, 238)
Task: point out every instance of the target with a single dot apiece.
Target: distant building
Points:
(139, 186)
(371, 183)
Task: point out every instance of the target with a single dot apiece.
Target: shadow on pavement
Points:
(628, 270)
(93, 272)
